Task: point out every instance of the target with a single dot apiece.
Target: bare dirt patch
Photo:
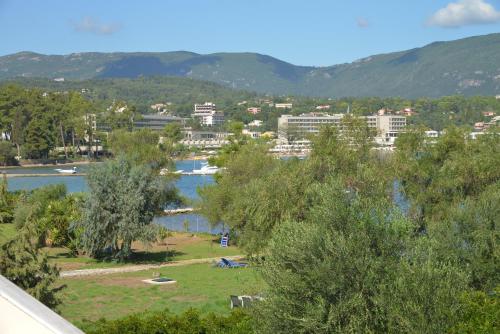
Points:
(174, 242)
(130, 282)
(194, 299)
(70, 265)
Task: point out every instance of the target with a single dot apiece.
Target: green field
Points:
(181, 246)
(202, 286)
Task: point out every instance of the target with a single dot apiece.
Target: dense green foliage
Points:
(46, 214)
(35, 122)
(7, 154)
(7, 202)
(141, 147)
(437, 113)
(27, 267)
(190, 322)
(480, 313)
(467, 66)
(181, 93)
(342, 252)
(122, 201)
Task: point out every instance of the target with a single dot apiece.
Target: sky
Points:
(309, 32)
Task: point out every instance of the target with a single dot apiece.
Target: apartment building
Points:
(298, 127)
(208, 114)
(157, 122)
(212, 119)
(283, 105)
(205, 108)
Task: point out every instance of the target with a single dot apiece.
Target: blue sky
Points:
(312, 32)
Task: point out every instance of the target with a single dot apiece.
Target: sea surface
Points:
(187, 185)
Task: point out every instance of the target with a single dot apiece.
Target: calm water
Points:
(187, 186)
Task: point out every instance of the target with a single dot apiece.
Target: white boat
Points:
(206, 170)
(165, 171)
(66, 171)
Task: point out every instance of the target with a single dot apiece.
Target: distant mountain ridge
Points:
(469, 66)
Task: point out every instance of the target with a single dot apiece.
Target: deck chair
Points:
(232, 264)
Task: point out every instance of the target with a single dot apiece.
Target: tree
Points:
(471, 234)
(6, 202)
(122, 201)
(23, 264)
(436, 177)
(120, 116)
(57, 219)
(256, 192)
(354, 266)
(7, 154)
(247, 163)
(480, 313)
(30, 213)
(140, 147)
(173, 132)
(238, 322)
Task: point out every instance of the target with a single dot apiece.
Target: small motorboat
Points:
(206, 170)
(165, 171)
(66, 171)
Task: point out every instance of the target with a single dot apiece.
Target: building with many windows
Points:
(212, 119)
(204, 108)
(292, 128)
(157, 122)
(208, 115)
(283, 105)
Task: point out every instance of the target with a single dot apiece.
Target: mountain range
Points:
(469, 66)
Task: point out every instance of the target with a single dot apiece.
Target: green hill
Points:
(469, 66)
(145, 91)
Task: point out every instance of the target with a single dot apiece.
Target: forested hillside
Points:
(468, 66)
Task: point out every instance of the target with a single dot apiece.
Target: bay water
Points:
(187, 185)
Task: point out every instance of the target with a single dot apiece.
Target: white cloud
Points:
(465, 12)
(362, 22)
(94, 26)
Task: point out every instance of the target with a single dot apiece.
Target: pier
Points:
(178, 211)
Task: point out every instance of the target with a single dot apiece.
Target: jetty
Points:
(178, 211)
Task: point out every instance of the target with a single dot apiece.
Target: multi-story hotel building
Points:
(204, 108)
(387, 126)
(208, 115)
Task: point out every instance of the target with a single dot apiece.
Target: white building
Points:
(255, 123)
(204, 139)
(208, 115)
(387, 126)
(212, 119)
(252, 134)
(283, 105)
(205, 108)
(432, 134)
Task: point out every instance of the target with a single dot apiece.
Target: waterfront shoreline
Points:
(42, 175)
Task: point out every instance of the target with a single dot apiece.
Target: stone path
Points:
(140, 267)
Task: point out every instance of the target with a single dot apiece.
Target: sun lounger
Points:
(226, 263)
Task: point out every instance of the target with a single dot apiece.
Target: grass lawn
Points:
(181, 246)
(7, 231)
(202, 286)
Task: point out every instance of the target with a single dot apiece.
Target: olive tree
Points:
(122, 201)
